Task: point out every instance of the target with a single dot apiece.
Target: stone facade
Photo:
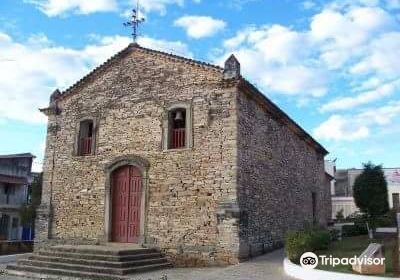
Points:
(277, 174)
(203, 204)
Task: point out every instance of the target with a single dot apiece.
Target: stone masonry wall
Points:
(277, 174)
(186, 188)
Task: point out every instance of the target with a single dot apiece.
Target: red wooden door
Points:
(127, 194)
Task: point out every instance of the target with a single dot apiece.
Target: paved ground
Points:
(266, 267)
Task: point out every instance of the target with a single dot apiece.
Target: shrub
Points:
(355, 216)
(354, 230)
(320, 239)
(387, 220)
(334, 233)
(299, 242)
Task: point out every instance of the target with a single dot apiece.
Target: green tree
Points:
(28, 211)
(370, 192)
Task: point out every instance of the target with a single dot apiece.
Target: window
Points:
(314, 207)
(396, 201)
(177, 127)
(4, 224)
(14, 229)
(9, 190)
(86, 138)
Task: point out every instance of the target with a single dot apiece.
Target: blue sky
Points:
(333, 66)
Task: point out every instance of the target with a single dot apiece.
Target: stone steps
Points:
(89, 262)
(103, 250)
(102, 263)
(90, 268)
(99, 257)
(44, 273)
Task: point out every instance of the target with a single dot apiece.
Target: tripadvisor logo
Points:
(311, 260)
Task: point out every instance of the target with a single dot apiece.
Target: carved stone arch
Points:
(143, 165)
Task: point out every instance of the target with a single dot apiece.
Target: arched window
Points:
(86, 138)
(177, 128)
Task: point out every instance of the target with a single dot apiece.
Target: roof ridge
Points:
(130, 47)
(180, 57)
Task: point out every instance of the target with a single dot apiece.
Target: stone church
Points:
(180, 155)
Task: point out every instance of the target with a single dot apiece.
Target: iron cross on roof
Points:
(135, 22)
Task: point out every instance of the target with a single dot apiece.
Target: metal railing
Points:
(178, 138)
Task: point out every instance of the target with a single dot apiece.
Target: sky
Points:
(333, 66)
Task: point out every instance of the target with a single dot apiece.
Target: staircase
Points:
(89, 262)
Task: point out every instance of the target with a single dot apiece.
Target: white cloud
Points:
(381, 115)
(54, 8)
(308, 5)
(200, 26)
(59, 7)
(340, 30)
(341, 128)
(357, 126)
(278, 58)
(354, 42)
(239, 4)
(393, 4)
(343, 103)
(343, 36)
(175, 47)
(382, 56)
(159, 6)
(31, 70)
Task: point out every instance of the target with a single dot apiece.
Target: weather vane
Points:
(135, 22)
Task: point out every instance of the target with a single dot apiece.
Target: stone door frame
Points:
(143, 165)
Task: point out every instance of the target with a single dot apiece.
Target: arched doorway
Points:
(126, 204)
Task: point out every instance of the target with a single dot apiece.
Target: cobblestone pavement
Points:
(266, 267)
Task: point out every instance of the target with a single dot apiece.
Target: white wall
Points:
(345, 203)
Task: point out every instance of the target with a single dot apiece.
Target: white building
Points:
(342, 195)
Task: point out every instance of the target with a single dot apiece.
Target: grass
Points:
(354, 246)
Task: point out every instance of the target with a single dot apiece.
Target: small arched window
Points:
(177, 128)
(86, 138)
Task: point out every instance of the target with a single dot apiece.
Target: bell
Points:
(178, 116)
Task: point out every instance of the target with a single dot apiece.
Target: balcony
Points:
(12, 201)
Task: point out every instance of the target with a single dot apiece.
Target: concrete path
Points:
(266, 267)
